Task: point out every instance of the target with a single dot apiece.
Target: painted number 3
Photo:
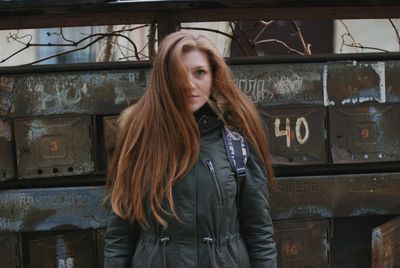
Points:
(290, 133)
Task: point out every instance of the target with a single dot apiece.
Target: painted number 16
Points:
(290, 133)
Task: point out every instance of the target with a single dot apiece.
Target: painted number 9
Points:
(302, 139)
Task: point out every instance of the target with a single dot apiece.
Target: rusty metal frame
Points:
(169, 13)
(316, 197)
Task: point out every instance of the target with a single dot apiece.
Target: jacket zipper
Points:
(212, 170)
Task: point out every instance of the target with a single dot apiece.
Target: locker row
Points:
(300, 243)
(70, 145)
(49, 90)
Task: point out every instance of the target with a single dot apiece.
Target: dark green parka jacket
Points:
(212, 232)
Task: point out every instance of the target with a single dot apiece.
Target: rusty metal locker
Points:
(49, 147)
(100, 247)
(278, 84)
(386, 245)
(76, 249)
(365, 133)
(297, 135)
(355, 82)
(110, 135)
(9, 250)
(6, 152)
(303, 244)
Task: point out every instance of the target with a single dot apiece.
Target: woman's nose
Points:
(192, 84)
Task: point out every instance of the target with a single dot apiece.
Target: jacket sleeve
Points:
(120, 240)
(255, 219)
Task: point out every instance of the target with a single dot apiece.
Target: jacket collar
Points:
(207, 120)
(208, 123)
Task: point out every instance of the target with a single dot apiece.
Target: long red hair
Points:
(159, 140)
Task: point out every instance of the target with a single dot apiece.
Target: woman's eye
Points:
(199, 73)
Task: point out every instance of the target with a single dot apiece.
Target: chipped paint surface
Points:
(280, 83)
(355, 83)
(54, 95)
(327, 102)
(5, 130)
(379, 68)
(7, 106)
(53, 147)
(46, 209)
(36, 130)
(360, 100)
(302, 243)
(368, 211)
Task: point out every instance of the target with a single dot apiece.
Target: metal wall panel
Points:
(392, 83)
(100, 246)
(351, 242)
(7, 106)
(115, 90)
(110, 135)
(9, 248)
(386, 245)
(43, 209)
(366, 133)
(330, 196)
(54, 146)
(88, 92)
(303, 244)
(355, 82)
(297, 135)
(277, 84)
(6, 152)
(77, 249)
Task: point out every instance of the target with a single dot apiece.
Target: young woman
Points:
(175, 198)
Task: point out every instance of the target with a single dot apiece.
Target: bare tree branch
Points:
(214, 31)
(266, 24)
(397, 32)
(279, 42)
(99, 36)
(306, 47)
(152, 40)
(347, 34)
(109, 44)
(237, 26)
(237, 41)
(365, 47)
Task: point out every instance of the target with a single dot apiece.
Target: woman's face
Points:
(200, 77)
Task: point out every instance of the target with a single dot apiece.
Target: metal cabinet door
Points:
(110, 135)
(9, 250)
(297, 135)
(6, 151)
(386, 245)
(76, 249)
(303, 244)
(49, 147)
(365, 133)
(100, 247)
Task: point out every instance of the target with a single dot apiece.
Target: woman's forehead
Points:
(196, 58)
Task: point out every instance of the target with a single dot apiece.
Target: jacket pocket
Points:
(211, 168)
(229, 258)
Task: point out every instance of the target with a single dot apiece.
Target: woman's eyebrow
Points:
(201, 67)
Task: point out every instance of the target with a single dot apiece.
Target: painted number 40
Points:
(289, 133)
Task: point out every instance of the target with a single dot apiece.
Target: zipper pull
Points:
(210, 165)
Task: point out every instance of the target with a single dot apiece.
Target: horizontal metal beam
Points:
(336, 196)
(292, 198)
(129, 15)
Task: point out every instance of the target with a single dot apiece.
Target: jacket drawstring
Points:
(210, 246)
(163, 241)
